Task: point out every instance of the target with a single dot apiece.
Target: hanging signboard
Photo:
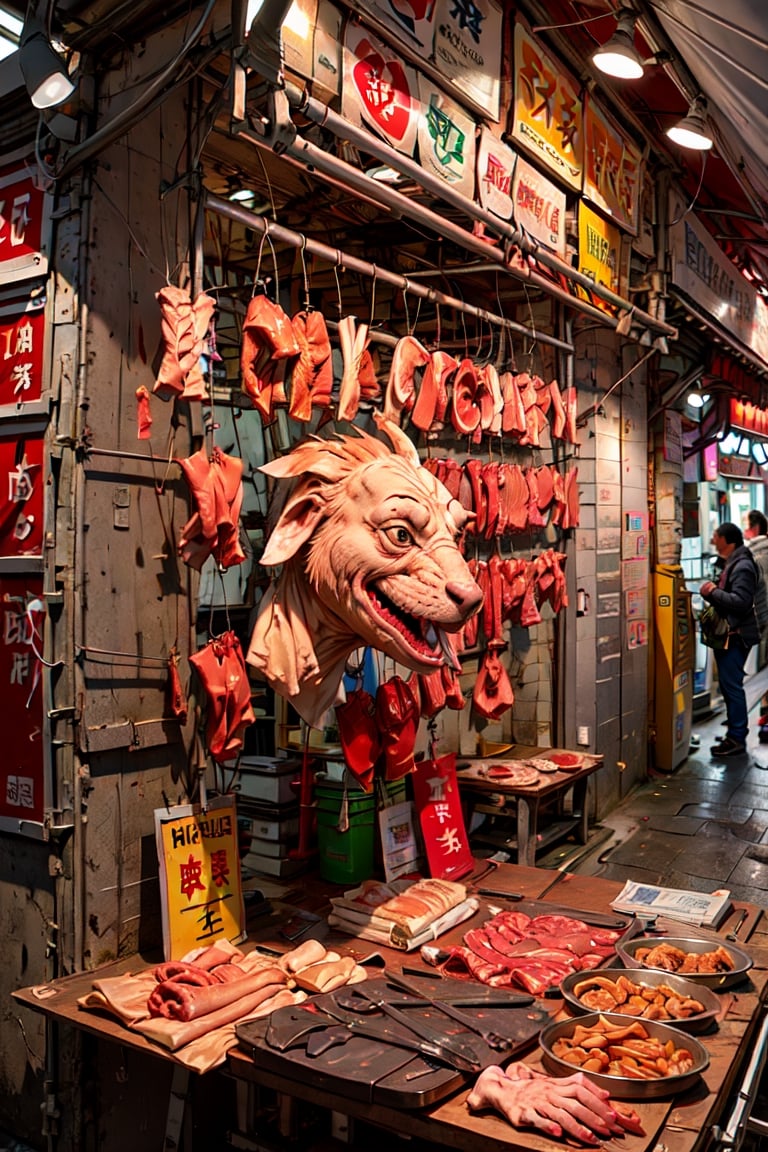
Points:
(747, 417)
(468, 41)
(22, 775)
(413, 21)
(495, 168)
(539, 207)
(612, 168)
(22, 207)
(21, 495)
(380, 90)
(547, 119)
(704, 273)
(599, 251)
(438, 804)
(200, 884)
(446, 139)
(22, 335)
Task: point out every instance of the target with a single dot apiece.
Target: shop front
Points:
(325, 403)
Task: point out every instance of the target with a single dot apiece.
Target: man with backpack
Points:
(733, 598)
(756, 539)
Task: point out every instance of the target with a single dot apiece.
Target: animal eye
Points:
(399, 535)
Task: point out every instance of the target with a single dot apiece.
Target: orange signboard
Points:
(547, 119)
(612, 165)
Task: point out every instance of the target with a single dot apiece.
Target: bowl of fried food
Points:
(644, 995)
(707, 962)
(631, 1059)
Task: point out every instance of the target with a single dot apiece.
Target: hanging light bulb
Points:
(692, 131)
(618, 56)
(45, 73)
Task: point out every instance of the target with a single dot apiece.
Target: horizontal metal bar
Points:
(318, 112)
(340, 259)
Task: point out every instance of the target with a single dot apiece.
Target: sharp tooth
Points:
(449, 653)
(430, 635)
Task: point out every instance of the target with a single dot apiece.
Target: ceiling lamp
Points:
(618, 56)
(692, 131)
(45, 73)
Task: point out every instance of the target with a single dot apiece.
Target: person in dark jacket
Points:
(733, 597)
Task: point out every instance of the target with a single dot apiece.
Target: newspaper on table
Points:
(705, 909)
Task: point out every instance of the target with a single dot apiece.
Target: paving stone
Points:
(713, 857)
(648, 849)
(721, 812)
(676, 823)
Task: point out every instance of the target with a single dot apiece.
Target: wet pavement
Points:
(702, 827)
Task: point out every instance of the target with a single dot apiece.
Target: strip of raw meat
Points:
(352, 340)
(409, 355)
(177, 1001)
(433, 395)
(223, 674)
(557, 420)
(184, 326)
(465, 411)
(513, 414)
(493, 695)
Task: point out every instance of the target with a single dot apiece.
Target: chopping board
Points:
(375, 1072)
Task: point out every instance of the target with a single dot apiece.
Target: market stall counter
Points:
(682, 1121)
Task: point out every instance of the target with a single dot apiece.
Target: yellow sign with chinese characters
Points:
(599, 252)
(200, 883)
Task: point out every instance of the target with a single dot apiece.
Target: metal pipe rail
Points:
(320, 114)
(339, 259)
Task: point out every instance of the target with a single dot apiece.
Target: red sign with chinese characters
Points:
(22, 334)
(21, 495)
(438, 804)
(22, 791)
(21, 217)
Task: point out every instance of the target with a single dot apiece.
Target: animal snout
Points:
(466, 596)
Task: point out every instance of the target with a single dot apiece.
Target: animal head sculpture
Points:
(369, 544)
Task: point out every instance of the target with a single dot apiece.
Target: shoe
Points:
(763, 734)
(728, 747)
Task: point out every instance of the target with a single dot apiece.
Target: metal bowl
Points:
(625, 1087)
(650, 978)
(627, 951)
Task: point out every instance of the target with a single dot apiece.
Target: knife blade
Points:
(454, 1048)
(435, 1050)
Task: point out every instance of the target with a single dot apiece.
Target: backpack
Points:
(761, 602)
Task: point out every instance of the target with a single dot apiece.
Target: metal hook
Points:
(373, 298)
(305, 274)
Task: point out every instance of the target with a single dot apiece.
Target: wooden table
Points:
(525, 803)
(681, 1125)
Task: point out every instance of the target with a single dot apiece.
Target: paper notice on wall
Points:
(446, 138)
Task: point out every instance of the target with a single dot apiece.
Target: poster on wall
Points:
(539, 207)
(547, 117)
(612, 168)
(21, 495)
(200, 883)
(22, 338)
(495, 169)
(22, 224)
(380, 91)
(599, 252)
(22, 774)
(412, 21)
(446, 139)
(467, 49)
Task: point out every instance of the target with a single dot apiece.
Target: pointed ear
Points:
(296, 523)
(402, 444)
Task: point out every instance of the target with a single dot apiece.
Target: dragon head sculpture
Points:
(368, 541)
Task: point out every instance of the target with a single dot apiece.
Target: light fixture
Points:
(697, 399)
(618, 56)
(692, 131)
(45, 73)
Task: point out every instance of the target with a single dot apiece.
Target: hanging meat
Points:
(352, 338)
(513, 412)
(399, 398)
(184, 326)
(214, 527)
(268, 340)
(312, 376)
(359, 736)
(465, 410)
(493, 694)
(432, 400)
(222, 672)
(397, 713)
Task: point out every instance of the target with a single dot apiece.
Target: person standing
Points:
(756, 538)
(733, 597)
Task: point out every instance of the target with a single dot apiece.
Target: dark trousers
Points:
(730, 673)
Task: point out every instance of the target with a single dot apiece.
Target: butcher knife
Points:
(440, 1049)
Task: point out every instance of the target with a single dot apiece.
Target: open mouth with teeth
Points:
(421, 636)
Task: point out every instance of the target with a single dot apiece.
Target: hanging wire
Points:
(336, 267)
(696, 194)
(304, 273)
